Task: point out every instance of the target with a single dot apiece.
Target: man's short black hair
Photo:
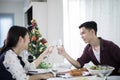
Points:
(89, 25)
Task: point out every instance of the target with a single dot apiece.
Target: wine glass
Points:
(54, 69)
(55, 65)
(46, 60)
(59, 43)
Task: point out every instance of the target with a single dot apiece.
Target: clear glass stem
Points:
(105, 78)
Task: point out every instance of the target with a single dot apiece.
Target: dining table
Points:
(85, 78)
(66, 76)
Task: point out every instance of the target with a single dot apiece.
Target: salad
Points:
(100, 67)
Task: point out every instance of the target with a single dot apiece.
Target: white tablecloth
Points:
(87, 78)
(67, 77)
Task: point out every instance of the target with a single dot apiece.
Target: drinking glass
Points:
(59, 43)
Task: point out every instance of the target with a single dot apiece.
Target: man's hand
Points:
(61, 50)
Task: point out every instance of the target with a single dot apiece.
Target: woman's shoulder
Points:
(10, 54)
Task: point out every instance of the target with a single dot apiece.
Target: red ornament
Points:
(43, 41)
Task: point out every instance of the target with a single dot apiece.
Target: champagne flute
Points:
(46, 58)
(55, 65)
(59, 43)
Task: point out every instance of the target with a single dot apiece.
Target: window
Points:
(6, 21)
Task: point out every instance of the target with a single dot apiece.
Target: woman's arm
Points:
(46, 52)
(41, 76)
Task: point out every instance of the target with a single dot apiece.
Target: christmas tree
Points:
(37, 43)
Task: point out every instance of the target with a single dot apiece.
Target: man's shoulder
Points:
(88, 47)
(108, 43)
(105, 41)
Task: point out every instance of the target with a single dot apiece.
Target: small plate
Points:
(55, 79)
(89, 78)
(78, 78)
(39, 71)
(113, 77)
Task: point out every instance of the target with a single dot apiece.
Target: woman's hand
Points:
(48, 50)
(46, 76)
(45, 53)
(41, 76)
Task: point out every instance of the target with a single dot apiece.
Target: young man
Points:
(98, 50)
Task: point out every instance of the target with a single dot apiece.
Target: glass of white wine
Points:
(59, 43)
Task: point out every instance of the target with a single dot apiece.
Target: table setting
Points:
(64, 71)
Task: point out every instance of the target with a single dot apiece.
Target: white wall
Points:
(55, 19)
(55, 25)
(16, 9)
(40, 14)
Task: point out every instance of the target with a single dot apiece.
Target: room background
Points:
(62, 18)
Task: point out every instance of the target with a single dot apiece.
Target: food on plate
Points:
(45, 65)
(77, 72)
(100, 67)
(100, 70)
(94, 67)
(81, 78)
(83, 69)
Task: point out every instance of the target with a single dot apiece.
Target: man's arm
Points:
(72, 61)
(62, 52)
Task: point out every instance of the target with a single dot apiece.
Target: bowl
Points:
(100, 70)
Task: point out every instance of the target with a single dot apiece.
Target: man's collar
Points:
(101, 43)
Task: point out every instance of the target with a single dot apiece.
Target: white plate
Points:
(78, 78)
(102, 70)
(55, 79)
(39, 71)
(60, 70)
(89, 78)
(113, 77)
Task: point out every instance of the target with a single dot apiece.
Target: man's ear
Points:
(93, 31)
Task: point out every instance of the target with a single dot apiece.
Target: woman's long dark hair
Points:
(13, 36)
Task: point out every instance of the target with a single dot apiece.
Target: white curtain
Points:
(105, 12)
(74, 15)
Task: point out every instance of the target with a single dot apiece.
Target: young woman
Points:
(12, 66)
